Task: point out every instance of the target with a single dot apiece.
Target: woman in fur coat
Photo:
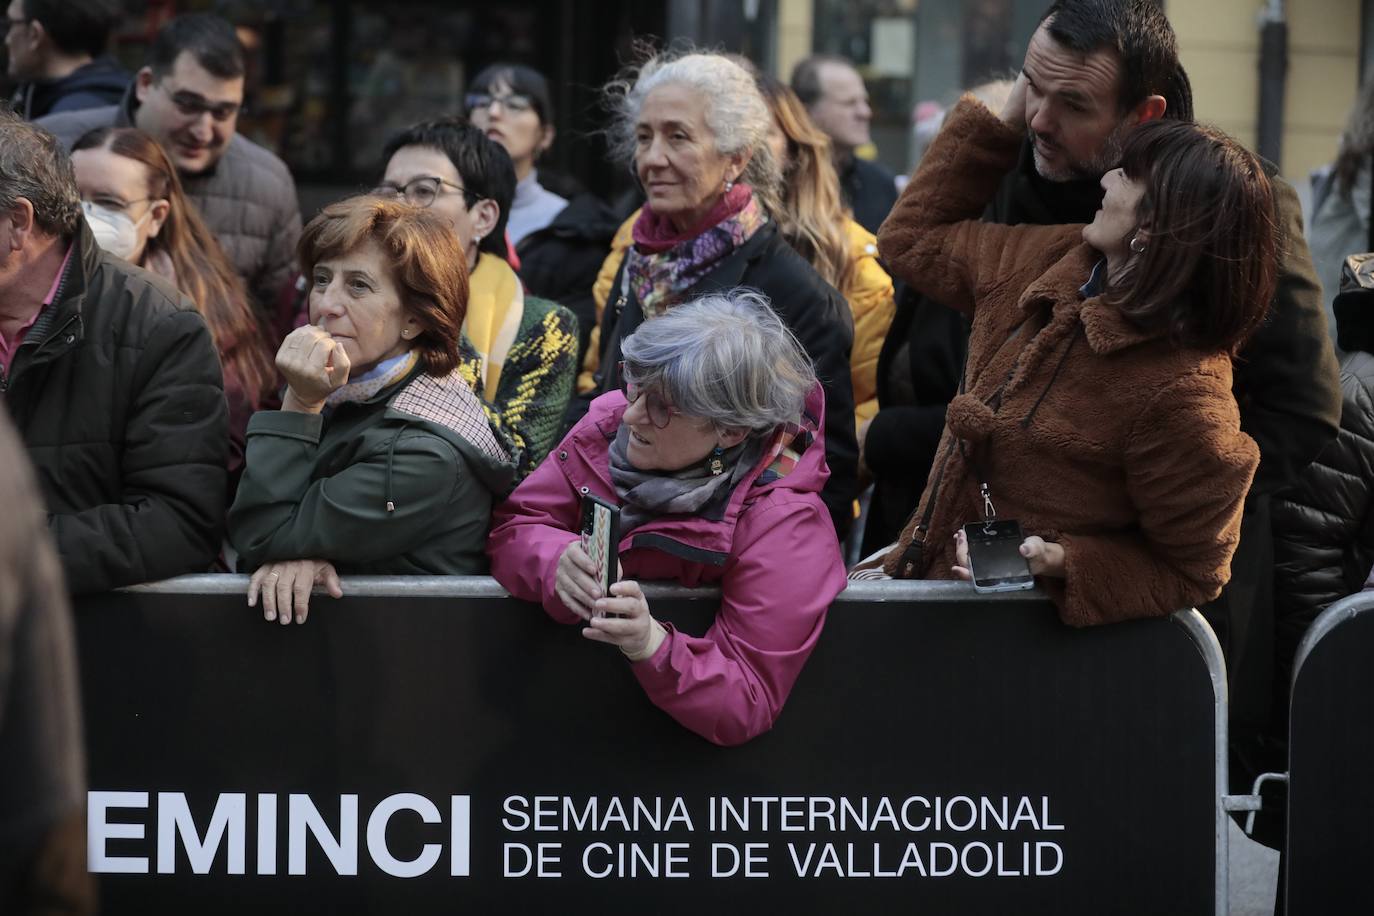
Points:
(1097, 406)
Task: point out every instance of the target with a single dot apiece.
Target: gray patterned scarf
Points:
(694, 490)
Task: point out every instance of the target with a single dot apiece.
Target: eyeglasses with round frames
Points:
(423, 191)
(660, 412)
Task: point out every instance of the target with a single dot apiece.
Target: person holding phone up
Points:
(714, 455)
(1096, 408)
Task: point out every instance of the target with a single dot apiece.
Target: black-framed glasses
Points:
(513, 102)
(660, 412)
(193, 105)
(423, 191)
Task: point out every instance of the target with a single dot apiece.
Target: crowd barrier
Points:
(432, 745)
(1331, 764)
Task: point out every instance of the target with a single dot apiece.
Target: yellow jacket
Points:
(869, 293)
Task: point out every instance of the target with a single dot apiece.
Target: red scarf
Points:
(654, 234)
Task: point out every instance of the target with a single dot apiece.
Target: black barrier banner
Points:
(1331, 764)
(445, 748)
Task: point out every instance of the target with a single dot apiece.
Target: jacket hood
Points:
(102, 75)
(101, 82)
(448, 408)
(1354, 304)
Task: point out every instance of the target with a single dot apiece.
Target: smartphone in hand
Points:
(601, 538)
(994, 557)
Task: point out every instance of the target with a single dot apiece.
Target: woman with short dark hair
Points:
(381, 459)
(1097, 407)
(519, 351)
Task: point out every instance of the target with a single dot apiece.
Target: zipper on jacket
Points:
(46, 350)
(673, 547)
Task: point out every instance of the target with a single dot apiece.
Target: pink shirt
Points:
(8, 345)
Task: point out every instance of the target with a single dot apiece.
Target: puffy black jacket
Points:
(817, 315)
(1324, 524)
(117, 392)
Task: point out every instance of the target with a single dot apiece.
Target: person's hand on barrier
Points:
(314, 365)
(575, 580)
(285, 587)
(626, 623)
(1045, 558)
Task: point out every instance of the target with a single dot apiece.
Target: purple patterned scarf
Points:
(661, 268)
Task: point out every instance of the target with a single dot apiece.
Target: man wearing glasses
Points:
(188, 98)
(55, 53)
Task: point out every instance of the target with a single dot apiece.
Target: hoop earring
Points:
(1137, 245)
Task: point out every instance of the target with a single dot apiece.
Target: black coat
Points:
(816, 314)
(560, 261)
(117, 393)
(1324, 523)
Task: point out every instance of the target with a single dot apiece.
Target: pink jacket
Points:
(773, 555)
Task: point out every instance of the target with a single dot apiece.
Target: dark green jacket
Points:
(401, 483)
(117, 393)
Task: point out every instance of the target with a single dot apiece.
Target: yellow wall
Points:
(794, 35)
(1219, 44)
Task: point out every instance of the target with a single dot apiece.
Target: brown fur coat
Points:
(1110, 440)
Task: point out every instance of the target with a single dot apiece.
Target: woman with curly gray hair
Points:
(694, 128)
(713, 452)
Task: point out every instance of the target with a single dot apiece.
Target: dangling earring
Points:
(728, 185)
(716, 466)
(1137, 245)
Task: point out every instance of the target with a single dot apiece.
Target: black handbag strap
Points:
(912, 557)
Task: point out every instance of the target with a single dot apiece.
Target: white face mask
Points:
(113, 230)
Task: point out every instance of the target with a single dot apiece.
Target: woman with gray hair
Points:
(714, 455)
(694, 128)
